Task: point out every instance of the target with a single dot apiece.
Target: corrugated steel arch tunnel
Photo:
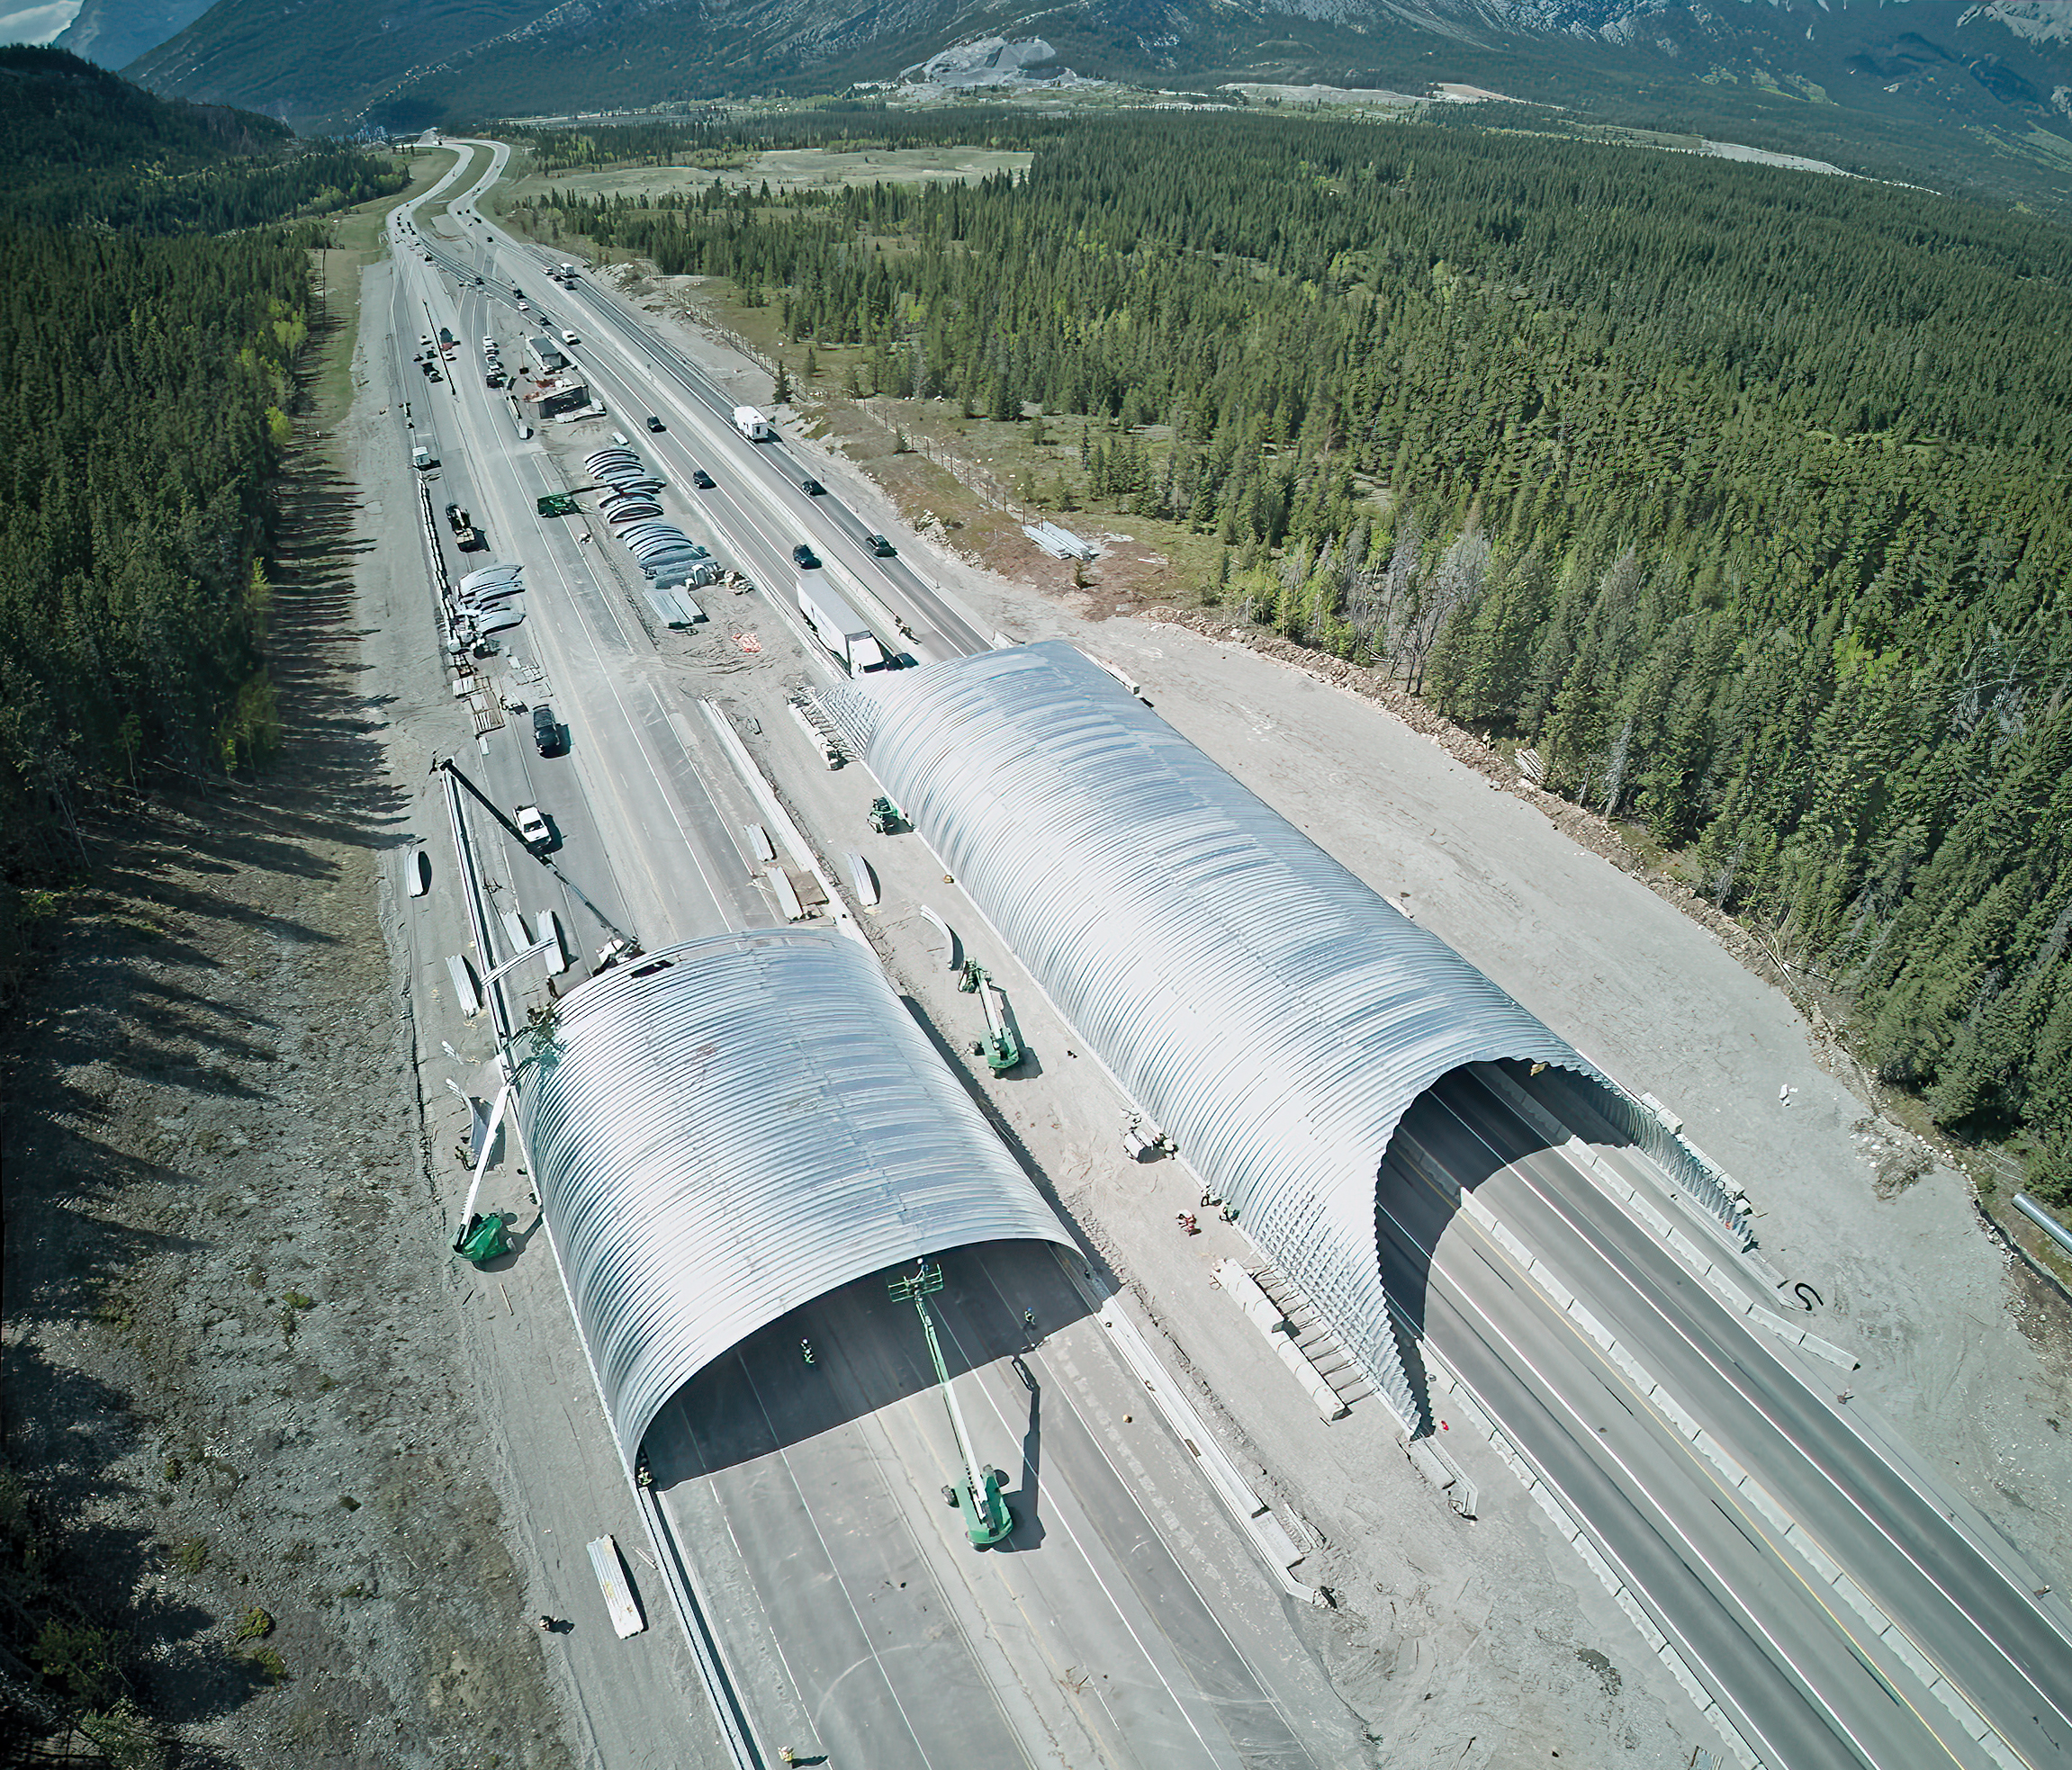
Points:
(736, 1126)
(1269, 1011)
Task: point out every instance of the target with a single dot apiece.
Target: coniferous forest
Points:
(1743, 497)
(150, 319)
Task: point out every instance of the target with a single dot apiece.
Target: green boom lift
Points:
(986, 1519)
(1000, 1048)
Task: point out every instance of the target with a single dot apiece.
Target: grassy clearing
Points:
(478, 163)
(789, 168)
(972, 481)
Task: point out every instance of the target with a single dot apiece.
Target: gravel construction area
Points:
(243, 1376)
(1478, 1644)
(1481, 1643)
(237, 1399)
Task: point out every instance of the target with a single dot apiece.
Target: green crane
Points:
(986, 1519)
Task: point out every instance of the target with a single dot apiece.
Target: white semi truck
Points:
(845, 583)
(841, 629)
(753, 425)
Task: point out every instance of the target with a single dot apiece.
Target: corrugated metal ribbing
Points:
(720, 1141)
(1272, 1013)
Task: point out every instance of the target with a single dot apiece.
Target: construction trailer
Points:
(552, 398)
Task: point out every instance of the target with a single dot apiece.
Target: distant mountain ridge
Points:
(1898, 84)
(113, 34)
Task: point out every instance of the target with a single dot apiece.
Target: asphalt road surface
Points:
(1805, 1675)
(862, 1615)
(1126, 1620)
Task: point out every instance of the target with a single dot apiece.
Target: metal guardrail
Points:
(2043, 1220)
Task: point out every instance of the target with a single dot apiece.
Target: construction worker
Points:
(784, 1754)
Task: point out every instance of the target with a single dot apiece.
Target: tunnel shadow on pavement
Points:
(869, 1354)
(1024, 1496)
(1453, 1137)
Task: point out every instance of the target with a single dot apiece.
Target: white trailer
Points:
(859, 595)
(840, 628)
(753, 425)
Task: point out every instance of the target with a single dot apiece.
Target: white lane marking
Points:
(1059, 1512)
(1720, 1370)
(827, 1554)
(1557, 1402)
(491, 491)
(784, 608)
(541, 536)
(775, 1636)
(707, 409)
(1208, 1609)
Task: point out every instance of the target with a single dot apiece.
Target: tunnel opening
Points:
(1472, 1124)
(761, 1396)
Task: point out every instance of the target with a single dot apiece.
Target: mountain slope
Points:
(114, 33)
(81, 144)
(1941, 90)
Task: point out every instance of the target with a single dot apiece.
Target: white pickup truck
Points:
(538, 836)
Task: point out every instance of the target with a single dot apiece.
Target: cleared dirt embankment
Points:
(242, 1458)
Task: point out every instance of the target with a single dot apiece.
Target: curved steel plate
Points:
(1272, 1013)
(736, 1126)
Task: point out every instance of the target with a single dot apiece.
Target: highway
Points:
(1729, 1569)
(814, 1496)
(759, 509)
(1128, 1620)
(1835, 1611)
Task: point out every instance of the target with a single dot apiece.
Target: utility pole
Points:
(986, 1519)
